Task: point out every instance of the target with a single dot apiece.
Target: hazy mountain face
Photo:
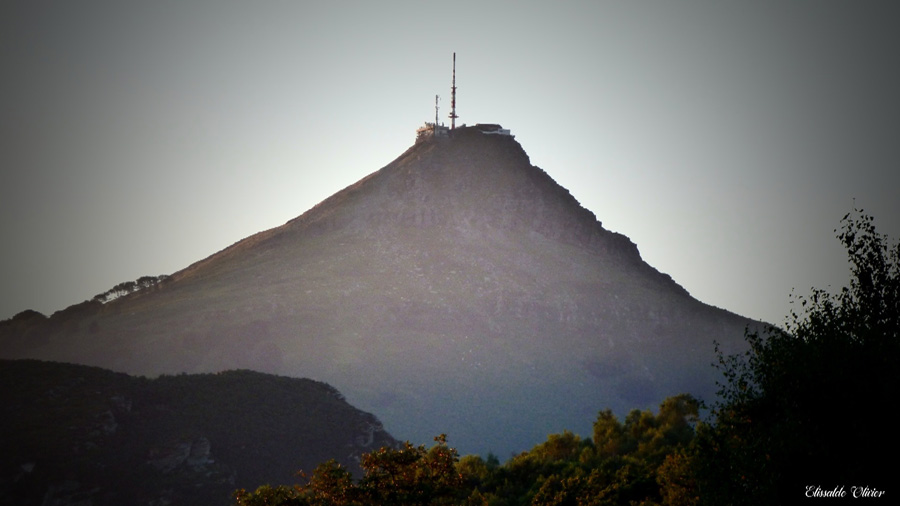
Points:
(457, 290)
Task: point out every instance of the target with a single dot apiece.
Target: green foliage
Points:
(564, 470)
(677, 481)
(268, 495)
(621, 465)
(410, 475)
(792, 412)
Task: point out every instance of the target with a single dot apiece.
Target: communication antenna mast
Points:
(435, 111)
(453, 115)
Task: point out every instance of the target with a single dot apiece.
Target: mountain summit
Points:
(457, 290)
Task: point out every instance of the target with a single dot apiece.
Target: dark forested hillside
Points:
(73, 433)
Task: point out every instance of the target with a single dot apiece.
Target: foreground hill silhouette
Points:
(458, 290)
(74, 434)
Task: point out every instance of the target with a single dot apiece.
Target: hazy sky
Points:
(726, 139)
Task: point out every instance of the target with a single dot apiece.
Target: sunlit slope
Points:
(458, 289)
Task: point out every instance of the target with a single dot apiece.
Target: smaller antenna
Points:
(436, 110)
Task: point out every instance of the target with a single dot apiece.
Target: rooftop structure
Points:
(492, 129)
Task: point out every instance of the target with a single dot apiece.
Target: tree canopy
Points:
(565, 469)
(800, 408)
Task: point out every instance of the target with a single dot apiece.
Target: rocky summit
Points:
(457, 290)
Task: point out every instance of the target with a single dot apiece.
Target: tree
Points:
(677, 483)
(268, 495)
(410, 475)
(800, 408)
(609, 435)
(330, 485)
(127, 287)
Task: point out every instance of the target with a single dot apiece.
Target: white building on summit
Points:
(492, 129)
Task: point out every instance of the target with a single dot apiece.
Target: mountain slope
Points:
(457, 290)
(75, 433)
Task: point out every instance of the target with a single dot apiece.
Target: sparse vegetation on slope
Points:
(129, 287)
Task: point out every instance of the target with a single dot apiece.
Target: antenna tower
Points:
(453, 115)
(435, 111)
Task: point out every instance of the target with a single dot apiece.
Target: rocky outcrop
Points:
(194, 455)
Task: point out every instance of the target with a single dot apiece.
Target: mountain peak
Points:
(458, 290)
(465, 181)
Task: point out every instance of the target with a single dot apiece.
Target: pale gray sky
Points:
(725, 139)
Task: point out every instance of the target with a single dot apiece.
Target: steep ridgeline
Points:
(73, 434)
(457, 290)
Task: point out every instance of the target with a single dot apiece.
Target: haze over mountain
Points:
(457, 290)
